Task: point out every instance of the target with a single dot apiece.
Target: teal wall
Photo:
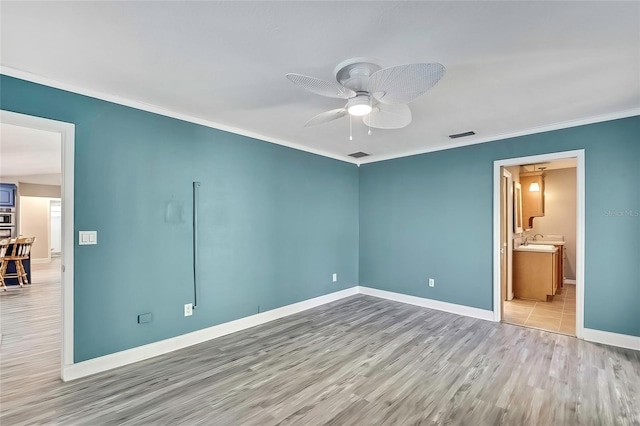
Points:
(275, 222)
(430, 215)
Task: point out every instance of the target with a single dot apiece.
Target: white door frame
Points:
(506, 173)
(67, 133)
(580, 227)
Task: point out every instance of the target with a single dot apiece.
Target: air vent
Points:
(359, 154)
(462, 135)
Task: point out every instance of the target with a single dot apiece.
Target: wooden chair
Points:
(4, 246)
(20, 252)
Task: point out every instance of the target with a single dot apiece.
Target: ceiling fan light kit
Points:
(380, 96)
(359, 106)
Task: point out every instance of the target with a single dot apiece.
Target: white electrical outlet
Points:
(432, 282)
(335, 277)
(188, 309)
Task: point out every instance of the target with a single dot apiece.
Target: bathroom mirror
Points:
(517, 208)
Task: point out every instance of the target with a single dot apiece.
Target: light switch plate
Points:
(87, 238)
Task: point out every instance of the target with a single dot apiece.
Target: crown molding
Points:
(34, 78)
(533, 130)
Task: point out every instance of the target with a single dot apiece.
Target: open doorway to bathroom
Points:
(539, 218)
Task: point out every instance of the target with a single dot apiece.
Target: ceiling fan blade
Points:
(388, 116)
(321, 87)
(404, 83)
(326, 116)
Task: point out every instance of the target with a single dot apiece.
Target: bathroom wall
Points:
(560, 213)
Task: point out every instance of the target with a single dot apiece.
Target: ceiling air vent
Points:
(462, 135)
(359, 154)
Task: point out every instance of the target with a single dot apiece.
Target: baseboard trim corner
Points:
(568, 281)
(611, 339)
(453, 308)
(140, 353)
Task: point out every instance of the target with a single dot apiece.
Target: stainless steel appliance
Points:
(7, 232)
(7, 218)
(7, 222)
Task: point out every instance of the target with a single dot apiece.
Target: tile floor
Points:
(559, 315)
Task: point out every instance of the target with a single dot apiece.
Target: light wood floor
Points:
(358, 361)
(557, 315)
(30, 330)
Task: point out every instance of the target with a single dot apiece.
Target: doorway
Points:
(515, 302)
(506, 215)
(51, 271)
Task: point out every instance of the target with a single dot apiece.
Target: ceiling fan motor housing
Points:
(354, 73)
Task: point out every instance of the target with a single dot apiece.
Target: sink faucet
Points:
(535, 237)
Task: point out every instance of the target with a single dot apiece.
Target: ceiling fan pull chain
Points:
(369, 122)
(350, 132)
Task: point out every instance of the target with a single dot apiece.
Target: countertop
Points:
(539, 248)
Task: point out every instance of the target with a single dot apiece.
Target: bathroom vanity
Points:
(536, 271)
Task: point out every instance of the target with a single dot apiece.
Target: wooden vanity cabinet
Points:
(560, 267)
(532, 201)
(535, 274)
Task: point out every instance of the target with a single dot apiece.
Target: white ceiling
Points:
(27, 152)
(511, 66)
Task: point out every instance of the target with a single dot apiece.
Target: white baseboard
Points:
(612, 339)
(453, 308)
(567, 281)
(129, 356)
(41, 260)
(119, 359)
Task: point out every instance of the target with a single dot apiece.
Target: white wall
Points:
(35, 221)
(560, 213)
(56, 227)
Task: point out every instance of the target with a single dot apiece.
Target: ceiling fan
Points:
(379, 96)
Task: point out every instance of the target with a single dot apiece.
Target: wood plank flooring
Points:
(30, 342)
(358, 361)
